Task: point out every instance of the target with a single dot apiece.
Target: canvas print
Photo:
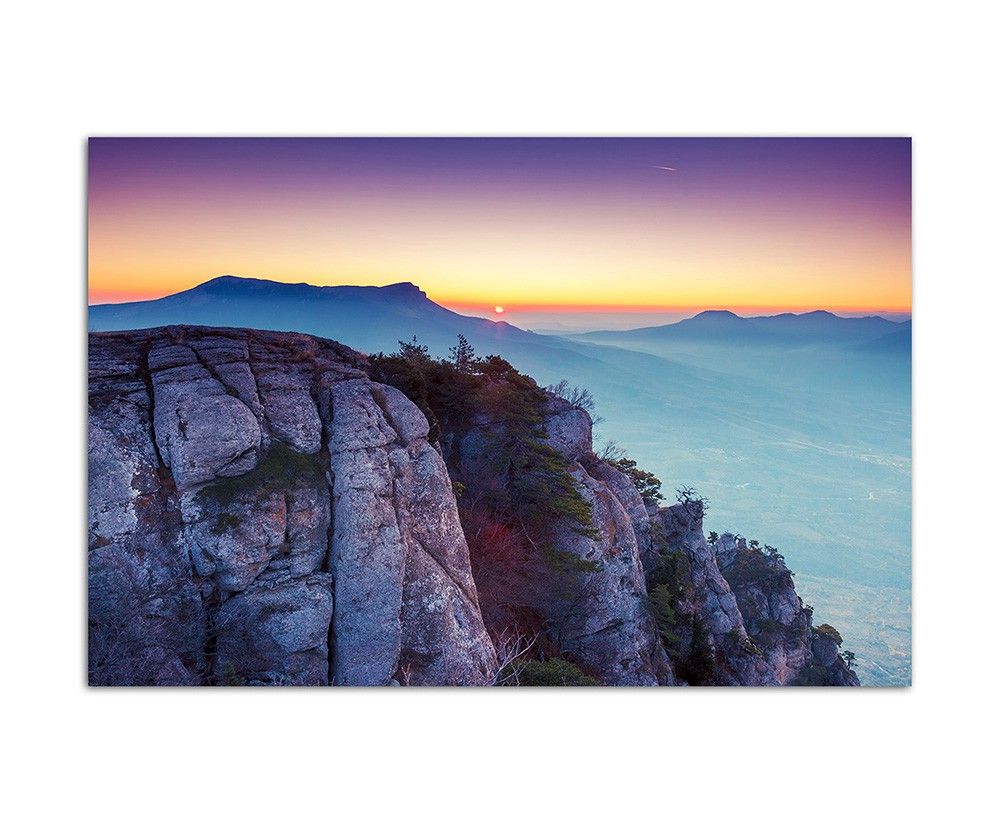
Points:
(504, 412)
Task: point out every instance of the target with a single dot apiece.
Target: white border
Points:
(514, 68)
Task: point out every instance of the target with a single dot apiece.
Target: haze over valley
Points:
(796, 426)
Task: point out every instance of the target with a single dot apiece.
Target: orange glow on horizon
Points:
(579, 265)
(744, 309)
(485, 309)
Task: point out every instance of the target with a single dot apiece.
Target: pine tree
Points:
(463, 355)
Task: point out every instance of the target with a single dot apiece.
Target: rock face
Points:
(585, 592)
(417, 620)
(777, 620)
(759, 631)
(710, 601)
(739, 621)
(260, 512)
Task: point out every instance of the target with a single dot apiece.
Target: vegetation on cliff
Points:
(455, 393)
(278, 467)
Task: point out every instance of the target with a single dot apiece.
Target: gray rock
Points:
(406, 603)
(120, 451)
(405, 419)
(608, 625)
(569, 429)
(276, 634)
(825, 650)
(233, 543)
(775, 618)
(204, 570)
(200, 428)
(619, 485)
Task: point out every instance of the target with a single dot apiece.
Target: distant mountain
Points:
(819, 328)
(714, 323)
(896, 342)
(369, 318)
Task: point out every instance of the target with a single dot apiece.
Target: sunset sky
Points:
(546, 225)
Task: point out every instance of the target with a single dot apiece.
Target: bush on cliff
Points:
(684, 634)
(698, 665)
(536, 490)
(556, 672)
(647, 484)
(278, 467)
(666, 583)
(830, 632)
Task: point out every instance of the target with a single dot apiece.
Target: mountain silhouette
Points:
(369, 318)
(725, 328)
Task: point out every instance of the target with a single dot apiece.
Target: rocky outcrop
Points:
(756, 630)
(777, 620)
(583, 590)
(619, 485)
(759, 631)
(710, 602)
(416, 621)
(260, 512)
(609, 628)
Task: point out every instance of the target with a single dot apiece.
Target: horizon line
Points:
(116, 297)
(638, 308)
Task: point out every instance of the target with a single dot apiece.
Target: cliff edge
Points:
(261, 512)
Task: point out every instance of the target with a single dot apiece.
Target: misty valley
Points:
(795, 428)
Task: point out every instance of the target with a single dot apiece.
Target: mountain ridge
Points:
(819, 322)
(220, 282)
(223, 284)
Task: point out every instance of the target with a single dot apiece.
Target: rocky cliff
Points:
(581, 593)
(756, 630)
(262, 511)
